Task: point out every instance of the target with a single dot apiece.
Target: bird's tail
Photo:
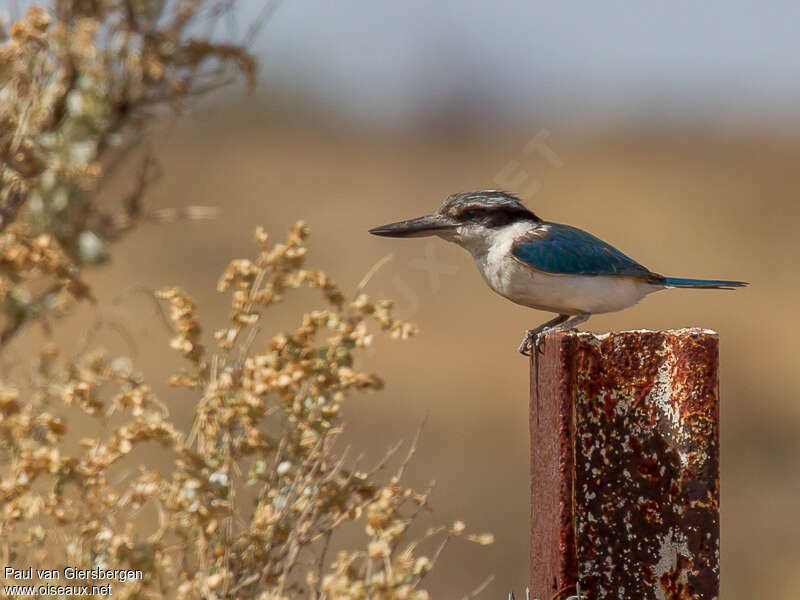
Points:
(711, 284)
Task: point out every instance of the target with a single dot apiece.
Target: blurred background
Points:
(670, 130)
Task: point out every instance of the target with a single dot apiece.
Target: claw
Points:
(540, 342)
(525, 344)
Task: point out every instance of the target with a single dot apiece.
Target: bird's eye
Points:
(472, 213)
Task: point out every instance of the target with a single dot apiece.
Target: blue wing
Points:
(565, 250)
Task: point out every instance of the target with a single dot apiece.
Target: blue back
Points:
(566, 250)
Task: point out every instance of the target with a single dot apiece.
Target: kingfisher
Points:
(543, 265)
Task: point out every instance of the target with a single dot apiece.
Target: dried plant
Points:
(247, 501)
(78, 86)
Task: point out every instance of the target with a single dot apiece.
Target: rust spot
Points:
(649, 468)
(650, 510)
(649, 575)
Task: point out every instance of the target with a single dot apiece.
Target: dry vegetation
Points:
(247, 501)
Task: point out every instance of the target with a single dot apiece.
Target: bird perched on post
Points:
(543, 265)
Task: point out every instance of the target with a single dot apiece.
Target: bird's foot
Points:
(525, 344)
(539, 341)
(533, 339)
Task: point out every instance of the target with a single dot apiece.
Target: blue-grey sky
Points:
(390, 61)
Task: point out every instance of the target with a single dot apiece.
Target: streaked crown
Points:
(492, 208)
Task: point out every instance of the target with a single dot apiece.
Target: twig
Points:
(267, 11)
(371, 272)
(411, 450)
(474, 593)
(386, 457)
(321, 561)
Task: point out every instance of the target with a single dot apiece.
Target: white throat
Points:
(483, 241)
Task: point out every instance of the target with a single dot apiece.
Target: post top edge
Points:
(676, 332)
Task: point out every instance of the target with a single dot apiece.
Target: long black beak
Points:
(419, 227)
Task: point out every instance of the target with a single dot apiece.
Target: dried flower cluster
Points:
(77, 85)
(247, 501)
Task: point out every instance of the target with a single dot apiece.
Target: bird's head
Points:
(465, 218)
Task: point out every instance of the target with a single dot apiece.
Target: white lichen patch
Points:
(661, 393)
(672, 544)
(661, 396)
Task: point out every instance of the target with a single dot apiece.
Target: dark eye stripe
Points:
(471, 213)
(496, 217)
(504, 217)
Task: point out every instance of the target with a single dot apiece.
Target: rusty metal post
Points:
(625, 466)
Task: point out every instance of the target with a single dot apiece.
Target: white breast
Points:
(566, 294)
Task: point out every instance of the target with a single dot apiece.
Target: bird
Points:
(540, 264)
